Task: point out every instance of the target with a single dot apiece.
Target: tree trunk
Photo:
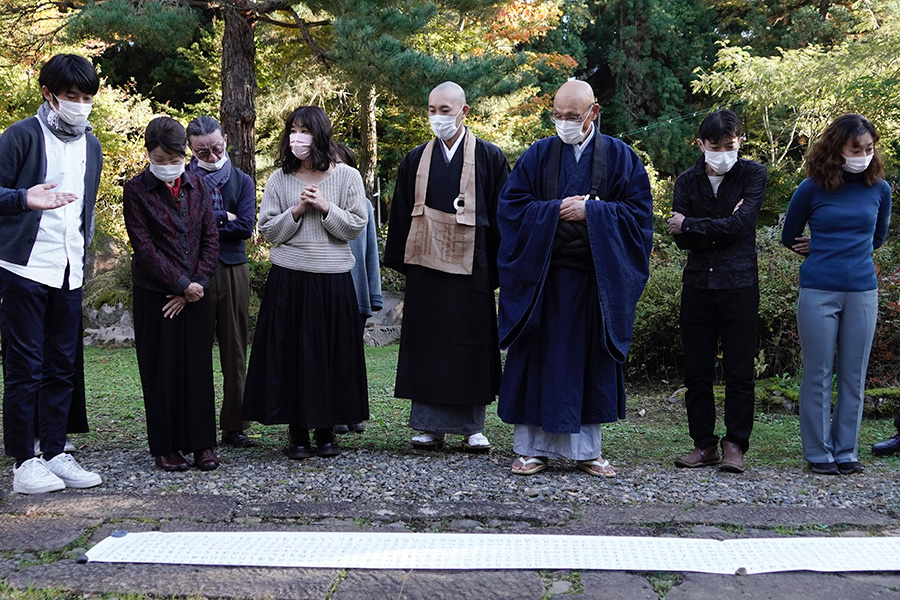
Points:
(238, 110)
(368, 155)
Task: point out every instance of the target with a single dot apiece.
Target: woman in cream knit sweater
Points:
(307, 367)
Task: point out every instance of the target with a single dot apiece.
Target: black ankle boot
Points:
(298, 446)
(325, 444)
(887, 447)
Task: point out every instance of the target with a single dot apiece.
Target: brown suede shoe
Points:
(700, 457)
(732, 458)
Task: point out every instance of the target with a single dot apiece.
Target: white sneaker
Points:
(33, 477)
(428, 440)
(476, 442)
(69, 447)
(67, 468)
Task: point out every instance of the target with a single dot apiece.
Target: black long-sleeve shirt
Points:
(720, 241)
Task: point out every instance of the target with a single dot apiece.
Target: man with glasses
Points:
(575, 237)
(234, 207)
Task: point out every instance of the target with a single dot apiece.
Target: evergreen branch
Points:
(308, 38)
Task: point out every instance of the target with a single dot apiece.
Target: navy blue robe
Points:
(568, 330)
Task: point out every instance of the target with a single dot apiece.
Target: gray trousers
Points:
(826, 319)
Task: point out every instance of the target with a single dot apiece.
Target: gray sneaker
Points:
(34, 477)
(74, 475)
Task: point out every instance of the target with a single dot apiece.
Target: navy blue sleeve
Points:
(797, 214)
(242, 227)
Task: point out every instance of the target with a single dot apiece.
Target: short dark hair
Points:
(825, 161)
(203, 125)
(720, 125)
(65, 71)
(165, 133)
(324, 150)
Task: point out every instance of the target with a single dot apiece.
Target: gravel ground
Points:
(253, 475)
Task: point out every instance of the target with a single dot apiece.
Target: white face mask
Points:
(167, 173)
(720, 162)
(857, 164)
(213, 166)
(301, 145)
(570, 132)
(444, 126)
(73, 113)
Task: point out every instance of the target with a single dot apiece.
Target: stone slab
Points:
(887, 580)
(41, 533)
(440, 585)
(7, 567)
(180, 581)
(768, 517)
(776, 586)
(536, 514)
(132, 526)
(124, 506)
(629, 515)
(615, 585)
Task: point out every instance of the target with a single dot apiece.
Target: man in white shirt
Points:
(49, 176)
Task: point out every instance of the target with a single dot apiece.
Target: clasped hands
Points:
(176, 304)
(310, 196)
(572, 209)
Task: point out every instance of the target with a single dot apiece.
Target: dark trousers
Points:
(39, 326)
(229, 293)
(708, 316)
(175, 361)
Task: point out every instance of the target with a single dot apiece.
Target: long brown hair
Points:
(324, 150)
(825, 161)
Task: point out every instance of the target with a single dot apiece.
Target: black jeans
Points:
(708, 316)
(39, 326)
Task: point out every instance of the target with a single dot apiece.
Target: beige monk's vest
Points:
(438, 240)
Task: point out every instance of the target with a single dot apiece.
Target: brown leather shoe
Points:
(206, 459)
(174, 462)
(700, 457)
(732, 458)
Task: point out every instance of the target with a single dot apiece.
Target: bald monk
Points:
(443, 236)
(575, 231)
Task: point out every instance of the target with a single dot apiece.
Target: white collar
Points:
(449, 152)
(579, 148)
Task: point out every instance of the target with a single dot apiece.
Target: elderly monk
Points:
(575, 230)
(443, 236)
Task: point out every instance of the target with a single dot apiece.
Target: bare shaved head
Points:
(573, 96)
(449, 91)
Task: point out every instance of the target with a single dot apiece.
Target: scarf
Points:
(62, 130)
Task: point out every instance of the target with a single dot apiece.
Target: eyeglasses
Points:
(207, 152)
(579, 119)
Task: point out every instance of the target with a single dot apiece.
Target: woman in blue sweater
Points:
(847, 204)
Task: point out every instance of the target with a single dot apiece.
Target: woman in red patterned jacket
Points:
(169, 218)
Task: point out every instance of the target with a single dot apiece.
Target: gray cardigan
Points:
(23, 165)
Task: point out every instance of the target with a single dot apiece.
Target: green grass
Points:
(654, 432)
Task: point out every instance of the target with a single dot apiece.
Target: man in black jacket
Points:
(714, 213)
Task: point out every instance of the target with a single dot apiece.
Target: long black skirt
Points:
(307, 366)
(175, 362)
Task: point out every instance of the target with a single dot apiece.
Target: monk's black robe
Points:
(449, 352)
